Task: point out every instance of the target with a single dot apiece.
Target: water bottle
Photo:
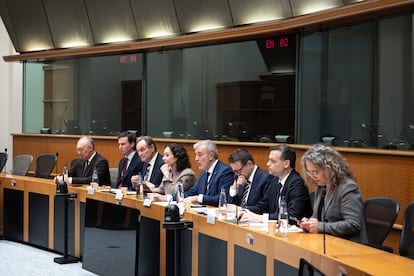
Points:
(140, 188)
(95, 179)
(180, 192)
(283, 218)
(65, 173)
(222, 207)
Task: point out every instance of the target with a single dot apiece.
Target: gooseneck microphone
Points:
(324, 218)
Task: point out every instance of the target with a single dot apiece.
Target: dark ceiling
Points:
(39, 25)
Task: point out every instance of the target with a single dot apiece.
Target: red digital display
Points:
(128, 59)
(283, 43)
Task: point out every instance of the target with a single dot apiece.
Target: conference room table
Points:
(128, 237)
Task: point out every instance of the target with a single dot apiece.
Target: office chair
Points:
(380, 215)
(21, 164)
(113, 172)
(307, 269)
(407, 233)
(45, 164)
(3, 160)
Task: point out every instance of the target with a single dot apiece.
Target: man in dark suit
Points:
(131, 164)
(215, 175)
(151, 169)
(81, 168)
(250, 182)
(288, 184)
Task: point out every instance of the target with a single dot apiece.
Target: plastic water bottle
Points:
(65, 173)
(222, 207)
(180, 192)
(95, 179)
(283, 218)
(140, 188)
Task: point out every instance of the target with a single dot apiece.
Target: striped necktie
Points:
(243, 200)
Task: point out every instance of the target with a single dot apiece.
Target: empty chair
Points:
(407, 234)
(3, 160)
(45, 164)
(21, 164)
(380, 215)
(113, 172)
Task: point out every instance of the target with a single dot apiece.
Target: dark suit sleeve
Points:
(297, 197)
(102, 168)
(225, 179)
(263, 205)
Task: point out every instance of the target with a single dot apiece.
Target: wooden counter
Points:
(378, 172)
(270, 253)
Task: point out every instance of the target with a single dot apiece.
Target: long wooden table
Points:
(239, 249)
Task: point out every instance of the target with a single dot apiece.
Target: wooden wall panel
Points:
(378, 172)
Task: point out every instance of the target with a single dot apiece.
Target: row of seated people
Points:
(21, 164)
(257, 193)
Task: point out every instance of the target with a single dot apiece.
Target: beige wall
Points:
(11, 95)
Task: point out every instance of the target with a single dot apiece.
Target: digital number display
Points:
(277, 43)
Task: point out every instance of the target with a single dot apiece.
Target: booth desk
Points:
(31, 214)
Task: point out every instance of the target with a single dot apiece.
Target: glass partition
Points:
(350, 86)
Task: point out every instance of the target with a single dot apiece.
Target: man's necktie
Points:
(123, 172)
(279, 190)
(243, 200)
(85, 166)
(147, 173)
(207, 185)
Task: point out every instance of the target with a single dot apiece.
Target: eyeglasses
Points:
(312, 173)
(239, 171)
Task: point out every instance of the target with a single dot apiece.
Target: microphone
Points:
(324, 219)
(237, 191)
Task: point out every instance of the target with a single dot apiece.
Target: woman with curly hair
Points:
(176, 168)
(337, 204)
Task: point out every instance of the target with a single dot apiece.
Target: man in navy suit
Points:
(131, 164)
(215, 175)
(250, 182)
(151, 169)
(288, 184)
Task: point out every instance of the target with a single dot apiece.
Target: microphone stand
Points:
(324, 220)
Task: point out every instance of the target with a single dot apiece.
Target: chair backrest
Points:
(380, 215)
(21, 164)
(3, 160)
(113, 172)
(407, 233)
(45, 164)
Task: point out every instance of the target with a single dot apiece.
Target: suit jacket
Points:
(135, 166)
(222, 177)
(259, 186)
(81, 177)
(295, 193)
(156, 175)
(170, 186)
(343, 212)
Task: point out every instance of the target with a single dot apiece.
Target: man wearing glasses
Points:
(250, 182)
(287, 183)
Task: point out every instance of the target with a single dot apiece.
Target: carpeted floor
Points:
(19, 259)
